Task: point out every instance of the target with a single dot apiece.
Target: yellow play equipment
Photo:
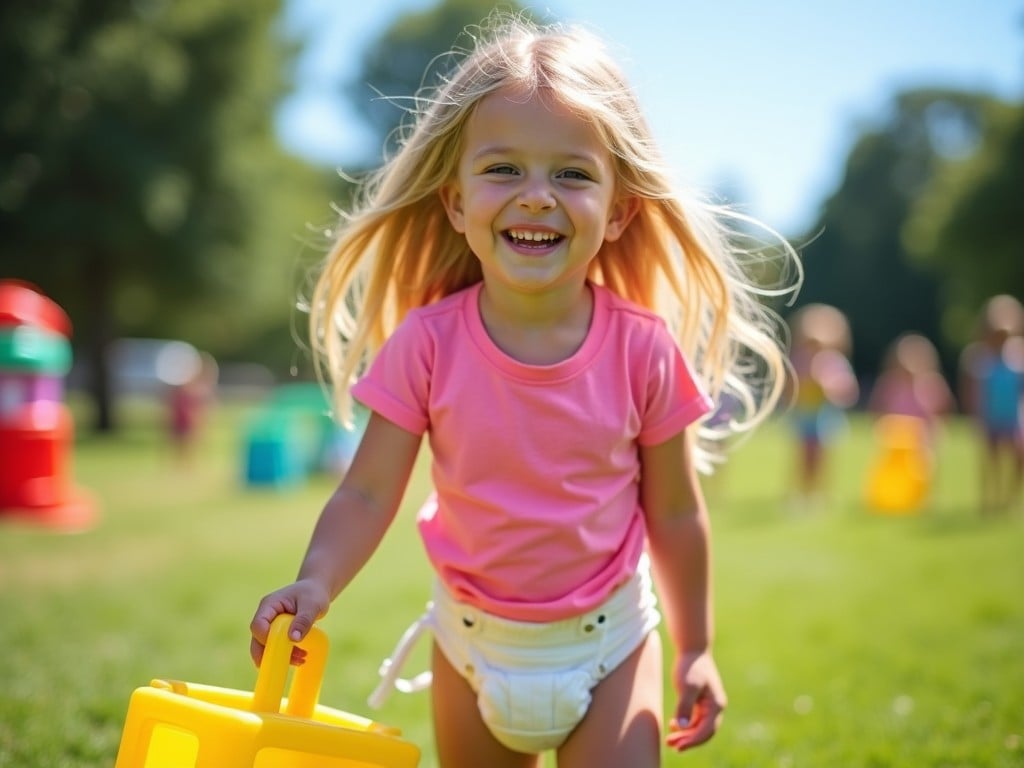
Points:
(172, 724)
(900, 478)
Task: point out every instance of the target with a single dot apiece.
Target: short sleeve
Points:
(674, 399)
(397, 384)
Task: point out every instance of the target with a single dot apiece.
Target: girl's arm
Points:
(350, 527)
(678, 534)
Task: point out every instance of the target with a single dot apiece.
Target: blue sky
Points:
(759, 98)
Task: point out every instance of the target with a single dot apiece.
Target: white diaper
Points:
(533, 680)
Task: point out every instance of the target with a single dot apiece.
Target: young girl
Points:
(823, 387)
(521, 283)
(910, 399)
(992, 391)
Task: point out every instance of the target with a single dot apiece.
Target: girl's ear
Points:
(622, 212)
(451, 199)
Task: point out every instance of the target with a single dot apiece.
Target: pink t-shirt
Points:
(535, 514)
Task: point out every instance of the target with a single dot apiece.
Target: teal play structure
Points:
(293, 435)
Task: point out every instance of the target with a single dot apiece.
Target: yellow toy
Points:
(900, 479)
(173, 724)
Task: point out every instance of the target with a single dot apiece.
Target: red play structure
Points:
(36, 429)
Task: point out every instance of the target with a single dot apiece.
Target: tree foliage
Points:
(409, 55)
(858, 260)
(142, 186)
(968, 227)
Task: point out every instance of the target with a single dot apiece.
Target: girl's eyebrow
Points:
(484, 152)
(501, 149)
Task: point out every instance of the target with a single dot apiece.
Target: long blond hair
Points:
(687, 260)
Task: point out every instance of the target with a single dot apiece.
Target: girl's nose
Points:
(536, 195)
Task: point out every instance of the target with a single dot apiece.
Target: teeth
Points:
(530, 235)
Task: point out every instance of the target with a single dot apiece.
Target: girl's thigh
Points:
(462, 739)
(623, 725)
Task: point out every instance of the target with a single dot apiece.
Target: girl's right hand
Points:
(306, 600)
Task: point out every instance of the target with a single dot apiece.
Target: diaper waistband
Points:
(634, 597)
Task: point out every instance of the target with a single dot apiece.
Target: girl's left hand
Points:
(702, 701)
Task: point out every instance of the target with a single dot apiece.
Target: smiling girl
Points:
(522, 284)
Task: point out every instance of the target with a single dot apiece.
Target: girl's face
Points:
(535, 193)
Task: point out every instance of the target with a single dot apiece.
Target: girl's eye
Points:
(506, 170)
(574, 174)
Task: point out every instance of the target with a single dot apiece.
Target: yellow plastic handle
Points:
(273, 673)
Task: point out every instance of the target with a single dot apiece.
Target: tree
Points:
(410, 54)
(858, 261)
(968, 227)
(144, 190)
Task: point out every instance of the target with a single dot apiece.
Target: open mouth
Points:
(522, 238)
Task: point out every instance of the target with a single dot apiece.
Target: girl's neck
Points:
(538, 329)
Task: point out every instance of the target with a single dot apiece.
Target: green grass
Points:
(845, 638)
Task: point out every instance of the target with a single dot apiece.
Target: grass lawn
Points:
(845, 638)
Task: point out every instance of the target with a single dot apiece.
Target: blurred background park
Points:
(166, 172)
(169, 173)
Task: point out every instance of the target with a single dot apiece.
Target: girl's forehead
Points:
(509, 104)
(511, 120)
(519, 95)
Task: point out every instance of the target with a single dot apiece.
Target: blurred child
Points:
(187, 403)
(992, 386)
(911, 384)
(909, 398)
(823, 388)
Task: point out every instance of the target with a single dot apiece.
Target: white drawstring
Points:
(391, 667)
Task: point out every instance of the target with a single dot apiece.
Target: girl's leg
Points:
(813, 461)
(623, 724)
(1003, 462)
(1017, 480)
(809, 480)
(462, 739)
(988, 474)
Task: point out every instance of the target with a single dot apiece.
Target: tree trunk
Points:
(97, 282)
